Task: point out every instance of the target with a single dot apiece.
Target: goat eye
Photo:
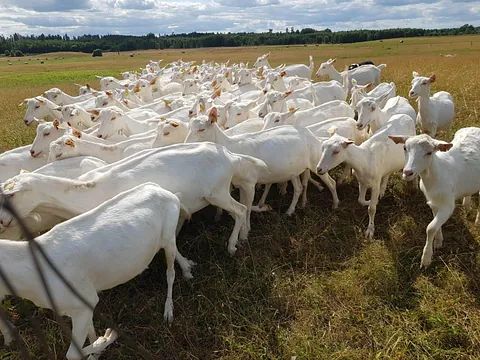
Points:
(201, 130)
(113, 118)
(37, 106)
(404, 148)
(276, 121)
(428, 153)
(46, 134)
(336, 152)
(166, 133)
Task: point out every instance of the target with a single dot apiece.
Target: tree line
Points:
(17, 45)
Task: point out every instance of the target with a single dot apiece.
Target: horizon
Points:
(140, 17)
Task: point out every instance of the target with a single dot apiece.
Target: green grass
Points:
(309, 285)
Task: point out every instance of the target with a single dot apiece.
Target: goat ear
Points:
(70, 142)
(174, 123)
(154, 81)
(56, 123)
(213, 115)
(94, 111)
(109, 93)
(369, 85)
(332, 130)
(443, 146)
(283, 73)
(287, 93)
(77, 133)
(398, 139)
(415, 74)
(333, 60)
(290, 112)
(346, 143)
(23, 102)
(432, 78)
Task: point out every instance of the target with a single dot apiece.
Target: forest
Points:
(18, 45)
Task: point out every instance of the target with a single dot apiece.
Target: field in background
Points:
(309, 285)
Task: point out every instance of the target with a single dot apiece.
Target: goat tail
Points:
(185, 212)
(381, 66)
(312, 65)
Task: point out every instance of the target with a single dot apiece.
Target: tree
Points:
(7, 52)
(286, 30)
(308, 31)
(18, 53)
(97, 52)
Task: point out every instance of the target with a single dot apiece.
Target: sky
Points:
(139, 17)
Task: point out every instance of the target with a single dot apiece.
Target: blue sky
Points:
(137, 17)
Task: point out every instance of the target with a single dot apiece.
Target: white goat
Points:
(39, 220)
(300, 70)
(293, 152)
(67, 146)
(170, 132)
(434, 112)
(114, 121)
(448, 171)
(363, 74)
(96, 254)
(370, 113)
(373, 161)
(39, 108)
(331, 109)
(381, 93)
(59, 97)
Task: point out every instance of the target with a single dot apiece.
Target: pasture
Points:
(310, 285)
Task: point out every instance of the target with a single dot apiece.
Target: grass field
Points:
(309, 285)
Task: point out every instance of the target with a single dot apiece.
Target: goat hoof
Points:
(168, 314)
(369, 233)
(426, 261)
(335, 206)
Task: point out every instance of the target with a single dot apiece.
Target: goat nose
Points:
(32, 152)
(407, 173)
(99, 136)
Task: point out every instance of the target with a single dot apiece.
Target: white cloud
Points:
(138, 17)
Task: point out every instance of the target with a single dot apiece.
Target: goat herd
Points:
(127, 164)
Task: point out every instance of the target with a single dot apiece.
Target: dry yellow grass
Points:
(309, 285)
